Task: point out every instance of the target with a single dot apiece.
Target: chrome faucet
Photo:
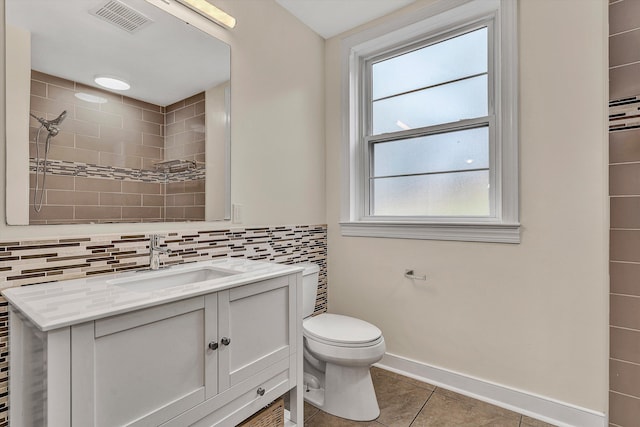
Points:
(154, 252)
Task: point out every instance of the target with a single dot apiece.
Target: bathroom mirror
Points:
(157, 151)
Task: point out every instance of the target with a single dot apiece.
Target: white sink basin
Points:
(154, 280)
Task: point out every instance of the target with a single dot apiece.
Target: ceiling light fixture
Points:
(211, 12)
(112, 83)
(87, 97)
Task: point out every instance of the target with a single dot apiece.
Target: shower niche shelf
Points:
(169, 166)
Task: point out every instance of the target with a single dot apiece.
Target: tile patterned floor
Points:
(405, 402)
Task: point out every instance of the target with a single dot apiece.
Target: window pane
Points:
(448, 194)
(466, 149)
(448, 103)
(461, 56)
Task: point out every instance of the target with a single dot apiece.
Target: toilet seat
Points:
(341, 331)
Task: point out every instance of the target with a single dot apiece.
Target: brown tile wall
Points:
(185, 129)
(624, 191)
(185, 140)
(125, 134)
(30, 261)
(185, 200)
(70, 199)
(122, 132)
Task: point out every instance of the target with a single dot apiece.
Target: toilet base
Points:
(314, 396)
(348, 393)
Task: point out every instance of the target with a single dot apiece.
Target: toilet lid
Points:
(340, 329)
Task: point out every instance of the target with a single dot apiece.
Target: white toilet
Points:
(338, 352)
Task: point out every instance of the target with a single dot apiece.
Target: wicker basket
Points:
(271, 416)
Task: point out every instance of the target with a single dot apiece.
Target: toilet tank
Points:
(309, 287)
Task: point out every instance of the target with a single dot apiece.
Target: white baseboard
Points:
(542, 408)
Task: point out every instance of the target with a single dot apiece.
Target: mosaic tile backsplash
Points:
(85, 170)
(624, 114)
(40, 261)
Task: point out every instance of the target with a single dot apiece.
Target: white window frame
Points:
(431, 22)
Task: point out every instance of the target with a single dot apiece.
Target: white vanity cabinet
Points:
(207, 360)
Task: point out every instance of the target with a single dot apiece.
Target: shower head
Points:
(59, 119)
(51, 125)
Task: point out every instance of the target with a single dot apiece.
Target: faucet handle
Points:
(154, 238)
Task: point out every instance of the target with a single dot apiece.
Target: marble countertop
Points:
(59, 304)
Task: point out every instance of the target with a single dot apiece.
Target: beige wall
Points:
(18, 119)
(277, 126)
(217, 134)
(277, 130)
(530, 316)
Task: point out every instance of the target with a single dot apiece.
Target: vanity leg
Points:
(39, 387)
(296, 395)
(16, 361)
(58, 374)
(296, 408)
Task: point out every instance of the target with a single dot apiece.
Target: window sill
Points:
(493, 233)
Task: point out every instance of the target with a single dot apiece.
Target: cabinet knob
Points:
(213, 345)
(260, 391)
(225, 341)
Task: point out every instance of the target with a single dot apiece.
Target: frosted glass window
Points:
(448, 194)
(449, 60)
(428, 129)
(430, 125)
(451, 151)
(465, 99)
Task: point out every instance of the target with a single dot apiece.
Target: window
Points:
(428, 137)
(431, 134)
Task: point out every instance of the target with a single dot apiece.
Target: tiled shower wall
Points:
(185, 201)
(624, 190)
(185, 140)
(122, 132)
(101, 164)
(30, 261)
(185, 129)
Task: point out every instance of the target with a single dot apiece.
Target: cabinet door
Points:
(259, 321)
(144, 367)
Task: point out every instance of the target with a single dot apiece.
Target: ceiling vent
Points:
(121, 15)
